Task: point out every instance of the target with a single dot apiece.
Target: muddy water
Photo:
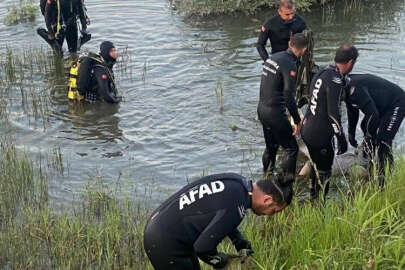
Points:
(185, 82)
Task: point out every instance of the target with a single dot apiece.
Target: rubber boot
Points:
(324, 177)
(269, 159)
(315, 187)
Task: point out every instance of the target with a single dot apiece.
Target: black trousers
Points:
(322, 157)
(381, 146)
(278, 132)
(165, 253)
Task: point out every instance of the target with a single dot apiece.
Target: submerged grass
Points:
(364, 231)
(22, 11)
(25, 84)
(103, 233)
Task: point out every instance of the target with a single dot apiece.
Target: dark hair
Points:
(299, 41)
(345, 53)
(288, 4)
(279, 187)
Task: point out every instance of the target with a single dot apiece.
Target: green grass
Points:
(24, 11)
(203, 8)
(365, 231)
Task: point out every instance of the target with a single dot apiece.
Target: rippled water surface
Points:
(173, 124)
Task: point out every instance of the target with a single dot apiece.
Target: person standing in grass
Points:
(279, 29)
(191, 223)
(277, 94)
(383, 105)
(322, 120)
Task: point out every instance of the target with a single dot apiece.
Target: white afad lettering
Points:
(192, 194)
(217, 186)
(184, 200)
(314, 98)
(202, 191)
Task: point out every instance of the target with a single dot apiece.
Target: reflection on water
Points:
(171, 126)
(91, 122)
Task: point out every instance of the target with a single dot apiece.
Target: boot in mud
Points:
(315, 187)
(321, 184)
(325, 181)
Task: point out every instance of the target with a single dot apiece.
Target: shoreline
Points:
(363, 228)
(213, 8)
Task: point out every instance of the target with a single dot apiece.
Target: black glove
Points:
(241, 243)
(352, 140)
(219, 261)
(302, 101)
(342, 144)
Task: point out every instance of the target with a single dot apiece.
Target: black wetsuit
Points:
(383, 105)
(277, 94)
(102, 82)
(322, 122)
(70, 10)
(192, 222)
(279, 33)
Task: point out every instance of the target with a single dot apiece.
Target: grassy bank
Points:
(203, 8)
(366, 231)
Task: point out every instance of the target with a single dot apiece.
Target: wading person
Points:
(192, 222)
(92, 77)
(383, 105)
(322, 120)
(279, 29)
(277, 94)
(61, 22)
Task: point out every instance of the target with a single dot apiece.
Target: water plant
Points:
(362, 231)
(23, 11)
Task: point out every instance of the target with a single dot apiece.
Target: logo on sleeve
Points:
(104, 76)
(337, 80)
(263, 28)
(199, 192)
(242, 211)
(293, 73)
(336, 129)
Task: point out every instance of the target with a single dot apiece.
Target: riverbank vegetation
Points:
(365, 230)
(203, 8)
(22, 11)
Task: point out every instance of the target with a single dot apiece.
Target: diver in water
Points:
(383, 105)
(92, 77)
(322, 121)
(277, 94)
(191, 223)
(279, 29)
(61, 22)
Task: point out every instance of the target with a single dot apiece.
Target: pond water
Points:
(185, 83)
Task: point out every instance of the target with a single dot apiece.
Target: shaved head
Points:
(288, 4)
